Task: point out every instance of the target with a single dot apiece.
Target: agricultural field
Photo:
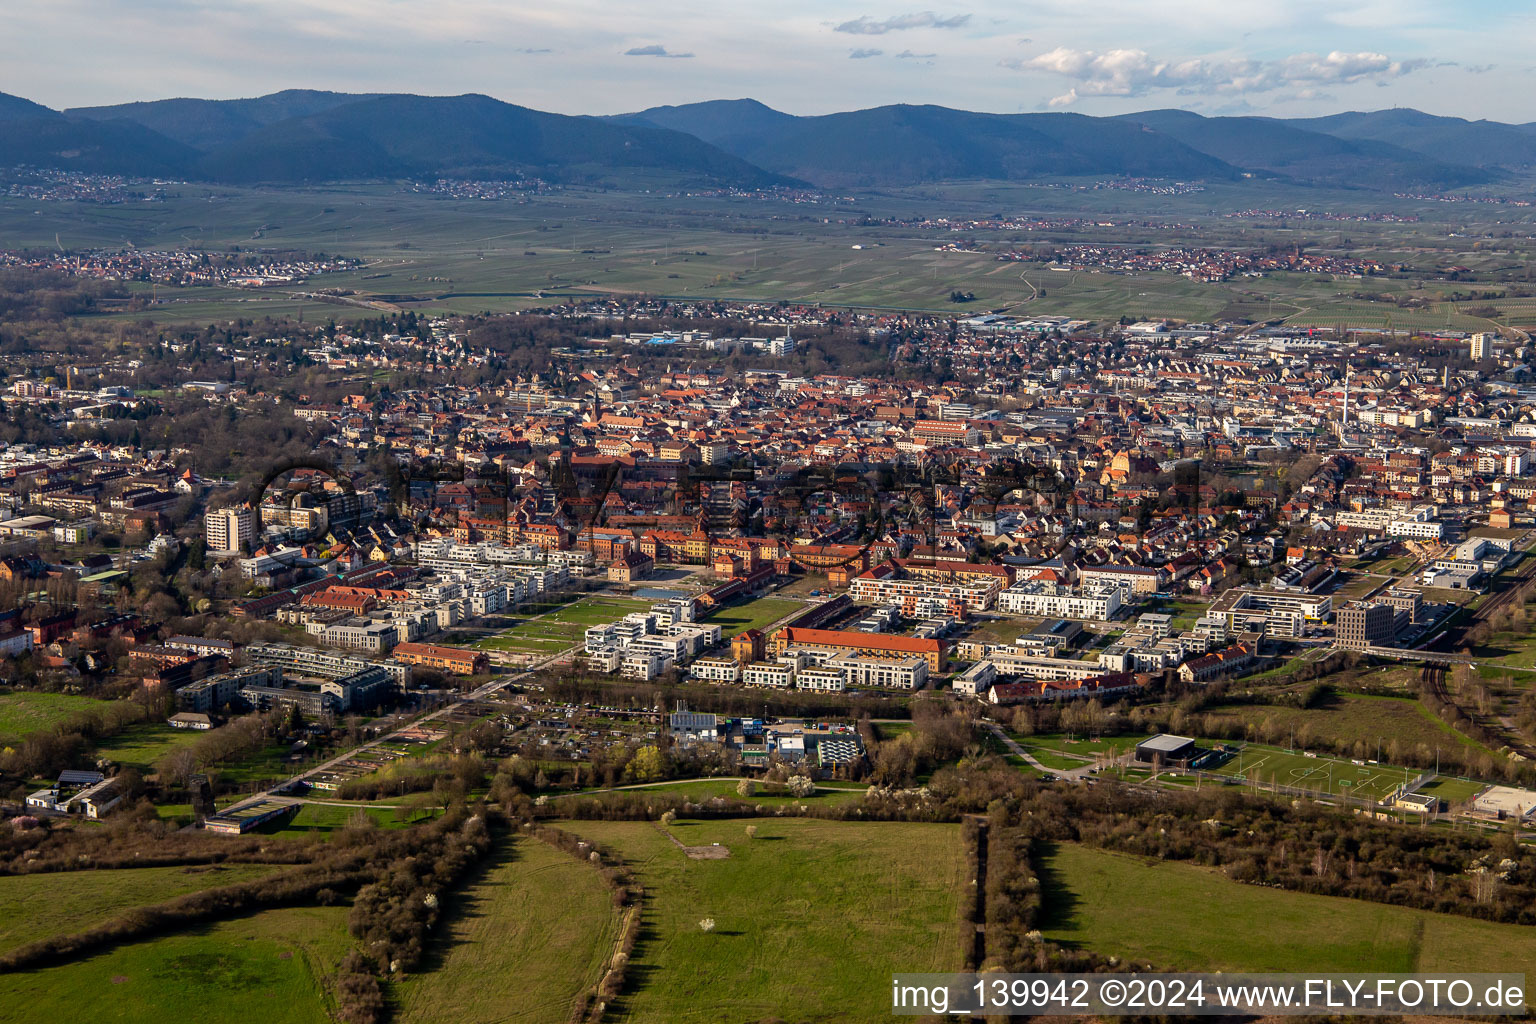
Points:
(833, 907)
(1102, 901)
(274, 966)
(757, 614)
(553, 631)
(520, 943)
(62, 902)
(24, 712)
(440, 255)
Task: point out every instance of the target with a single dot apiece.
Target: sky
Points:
(1281, 57)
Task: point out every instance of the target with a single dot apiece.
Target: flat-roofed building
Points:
(1366, 625)
(447, 659)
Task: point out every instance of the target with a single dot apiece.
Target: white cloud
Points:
(909, 55)
(1131, 72)
(867, 26)
(863, 54)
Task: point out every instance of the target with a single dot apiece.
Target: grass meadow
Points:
(23, 712)
(756, 614)
(1184, 917)
(274, 966)
(527, 936)
(63, 902)
(811, 917)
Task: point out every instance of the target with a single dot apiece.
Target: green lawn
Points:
(64, 902)
(140, 746)
(811, 917)
(1078, 745)
(1103, 901)
(22, 712)
(1351, 717)
(520, 943)
(552, 631)
(1052, 758)
(756, 614)
(322, 819)
(1452, 791)
(273, 967)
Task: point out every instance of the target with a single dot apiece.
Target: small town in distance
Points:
(463, 563)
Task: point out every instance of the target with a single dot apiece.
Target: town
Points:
(668, 562)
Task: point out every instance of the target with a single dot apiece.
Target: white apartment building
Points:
(884, 673)
(823, 680)
(716, 670)
(228, 529)
(1101, 601)
(769, 674)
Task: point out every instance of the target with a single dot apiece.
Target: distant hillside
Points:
(93, 147)
(465, 136)
(14, 108)
(729, 124)
(210, 124)
(1452, 140)
(303, 135)
(905, 145)
(1280, 148)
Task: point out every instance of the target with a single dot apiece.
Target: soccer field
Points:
(1322, 774)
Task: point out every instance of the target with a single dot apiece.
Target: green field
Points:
(63, 902)
(1204, 921)
(1452, 791)
(273, 966)
(1064, 753)
(811, 917)
(520, 943)
(322, 819)
(442, 255)
(23, 712)
(556, 630)
(1325, 775)
(753, 615)
(1351, 718)
(140, 746)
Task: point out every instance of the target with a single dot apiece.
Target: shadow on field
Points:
(463, 904)
(1058, 904)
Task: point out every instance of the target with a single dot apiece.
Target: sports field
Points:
(554, 631)
(273, 966)
(519, 944)
(62, 902)
(1325, 775)
(810, 917)
(756, 614)
(1103, 901)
